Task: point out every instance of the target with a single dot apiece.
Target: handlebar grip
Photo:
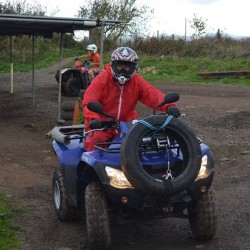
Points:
(97, 124)
(108, 124)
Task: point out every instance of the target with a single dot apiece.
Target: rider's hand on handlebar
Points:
(106, 124)
(174, 111)
(76, 58)
(95, 124)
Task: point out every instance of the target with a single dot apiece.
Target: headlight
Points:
(204, 171)
(117, 178)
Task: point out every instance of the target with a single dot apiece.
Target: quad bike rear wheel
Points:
(63, 211)
(72, 87)
(203, 217)
(97, 217)
(144, 182)
(63, 87)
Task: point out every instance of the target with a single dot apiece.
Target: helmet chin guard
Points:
(122, 80)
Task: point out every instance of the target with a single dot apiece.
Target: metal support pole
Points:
(185, 30)
(11, 66)
(60, 80)
(101, 46)
(33, 72)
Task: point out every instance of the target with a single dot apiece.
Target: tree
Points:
(199, 25)
(22, 43)
(134, 18)
(22, 8)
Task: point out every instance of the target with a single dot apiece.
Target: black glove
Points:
(76, 58)
(95, 124)
(172, 110)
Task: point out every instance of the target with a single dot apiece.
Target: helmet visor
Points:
(123, 67)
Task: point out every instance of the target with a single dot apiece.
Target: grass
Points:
(169, 68)
(184, 70)
(8, 238)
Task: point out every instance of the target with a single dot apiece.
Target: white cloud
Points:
(202, 1)
(230, 16)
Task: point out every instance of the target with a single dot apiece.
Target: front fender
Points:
(70, 154)
(201, 183)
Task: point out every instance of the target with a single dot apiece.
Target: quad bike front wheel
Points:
(97, 217)
(63, 211)
(203, 217)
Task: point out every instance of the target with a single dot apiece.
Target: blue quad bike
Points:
(154, 168)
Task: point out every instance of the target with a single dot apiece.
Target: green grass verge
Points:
(167, 69)
(8, 229)
(185, 69)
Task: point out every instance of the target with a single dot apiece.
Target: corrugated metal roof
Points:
(14, 25)
(46, 26)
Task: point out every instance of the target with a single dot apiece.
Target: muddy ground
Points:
(219, 114)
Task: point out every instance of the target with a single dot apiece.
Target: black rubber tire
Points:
(97, 220)
(62, 82)
(60, 197)
(81, 95)
(63, 87)
(85, 80)
(57, 75)
(144, 182)
(67, 115)
(72, 88)
(69, 105)
(203, 216)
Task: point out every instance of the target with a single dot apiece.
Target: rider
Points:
(95, 57)
(118, 89)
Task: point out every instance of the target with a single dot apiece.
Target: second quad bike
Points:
(154, 168)
(74, 79)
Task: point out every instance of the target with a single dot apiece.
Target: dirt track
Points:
(219, 114)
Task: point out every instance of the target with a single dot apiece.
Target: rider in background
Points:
(95, 57)
(118, 89)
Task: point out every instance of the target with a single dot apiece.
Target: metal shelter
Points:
(14, 25)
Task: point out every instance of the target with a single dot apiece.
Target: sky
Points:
(174, 16)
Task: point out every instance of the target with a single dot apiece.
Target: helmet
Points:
(123, 64)
(92, 47)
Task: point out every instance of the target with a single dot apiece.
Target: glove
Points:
(95, 124)
(76, 58)
(172, 110)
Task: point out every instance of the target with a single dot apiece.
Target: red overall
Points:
(119, 101)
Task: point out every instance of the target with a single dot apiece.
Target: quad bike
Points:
(154, 168)
(74, 79)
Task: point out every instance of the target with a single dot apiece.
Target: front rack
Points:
(106, 148)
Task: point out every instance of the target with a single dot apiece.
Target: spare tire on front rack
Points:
(144, 182)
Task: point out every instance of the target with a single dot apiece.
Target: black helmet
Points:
(123, 64)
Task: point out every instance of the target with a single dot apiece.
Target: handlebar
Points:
(97, 124)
